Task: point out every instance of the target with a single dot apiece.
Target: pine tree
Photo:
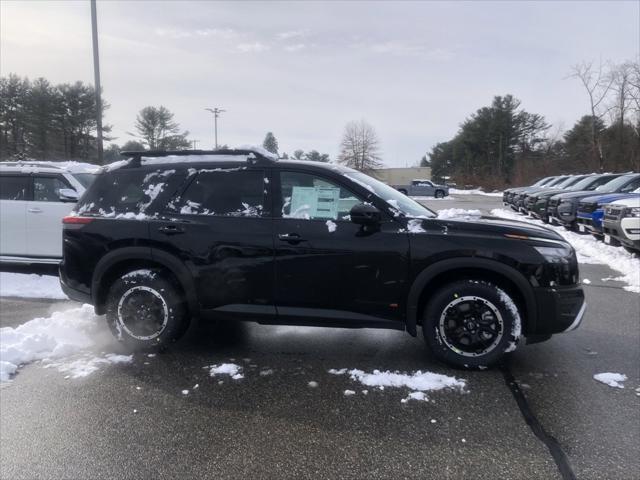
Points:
(158, 131)
(270, 143)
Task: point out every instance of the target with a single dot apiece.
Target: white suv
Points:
(34, 196)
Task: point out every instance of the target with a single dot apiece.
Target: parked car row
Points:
(583, 203)
(34, 196)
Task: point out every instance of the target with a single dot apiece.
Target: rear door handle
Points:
(34, 210)
(290, 237)
(171, 230)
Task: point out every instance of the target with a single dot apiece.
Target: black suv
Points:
(163, 238)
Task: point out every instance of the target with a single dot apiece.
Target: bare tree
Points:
(360, 147)
(597, 83)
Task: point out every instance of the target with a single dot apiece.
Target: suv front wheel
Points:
(471, 324)
(145, 310)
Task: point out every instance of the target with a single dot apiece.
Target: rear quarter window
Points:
(129, 191)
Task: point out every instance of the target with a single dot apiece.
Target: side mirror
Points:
(68, 195)
(365, 214)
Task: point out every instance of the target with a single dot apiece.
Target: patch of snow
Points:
(331, 226)
(429, 199)
(475, 191)
(612, 379)
(185, 392)
(231, 369)
(348, 393)
(30, 285)
(87, 364)
(267, 372)
(417, 381)
(592, 251)
(415, 226)
(586, 281)
(516, 330)
(419, 396)
(458, 213)
(63, 334)
(313, 384)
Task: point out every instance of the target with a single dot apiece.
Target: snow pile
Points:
(429, 199)
(590, 250)
(231, 369)
(458, 213)
(611, 379)
(87, 364)
(63, 334)
(30, 286)
(419, 382)
(475, 191)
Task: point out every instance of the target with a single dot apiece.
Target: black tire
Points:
(439, 194)
(491, 313)
(402, 191)
(632, 251)
(145, 310)
(544, 218)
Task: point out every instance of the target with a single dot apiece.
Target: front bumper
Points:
(566, 213)
(560, 309)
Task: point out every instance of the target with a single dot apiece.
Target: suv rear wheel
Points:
(145, 310)
(439, 194)
(471, 324)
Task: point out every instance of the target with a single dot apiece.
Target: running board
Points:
(29, 260)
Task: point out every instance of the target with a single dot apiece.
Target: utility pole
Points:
(216, 113)
(195, 144)
(96, 75)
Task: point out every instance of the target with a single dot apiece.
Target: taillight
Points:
(71, 220)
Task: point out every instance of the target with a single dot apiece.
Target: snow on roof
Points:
(40, 165)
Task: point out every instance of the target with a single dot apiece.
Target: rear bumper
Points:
(73, 292)
(560, 309)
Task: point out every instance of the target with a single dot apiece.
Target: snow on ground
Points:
(611, 379)
(87, 364)
(458, 213)
(60, 336)
(30, 285)
(419, 382)
(475, 191)
(231, 369)
(433, 198)
(591, 250)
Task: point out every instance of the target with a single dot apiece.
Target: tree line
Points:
(503, 144)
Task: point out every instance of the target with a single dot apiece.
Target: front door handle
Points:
(35, 210)
(290, 237)
(171, 230)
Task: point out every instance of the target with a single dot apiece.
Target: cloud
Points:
(290, 34)
(255, 47)
(295, 47)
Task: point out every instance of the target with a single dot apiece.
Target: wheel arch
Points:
(446, 271)
(126, 259)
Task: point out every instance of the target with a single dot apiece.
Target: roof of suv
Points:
(38, 166)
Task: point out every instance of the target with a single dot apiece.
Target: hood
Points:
(575, 195)
(483, 226)
(629, 201)
(609, 197)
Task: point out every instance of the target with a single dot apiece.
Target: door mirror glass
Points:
(68, 195)
(365, 214)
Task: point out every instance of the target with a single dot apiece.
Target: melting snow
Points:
(475, 191)
(231, 369)
(61, 335)
(30, 286)
(419, 381)
(611, 379)
(87, 364)
(458, 213)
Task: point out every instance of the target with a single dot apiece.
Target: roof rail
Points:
(254, 155)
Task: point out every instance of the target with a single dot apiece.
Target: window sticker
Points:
(315, 202)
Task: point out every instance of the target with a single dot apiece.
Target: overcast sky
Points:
(414, 70)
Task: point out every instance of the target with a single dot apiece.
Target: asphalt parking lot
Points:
(134, 421)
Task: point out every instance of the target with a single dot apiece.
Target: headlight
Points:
(632, 212)
(556, 254)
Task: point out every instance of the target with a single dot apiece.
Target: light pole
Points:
(216, 113)
(96, 75)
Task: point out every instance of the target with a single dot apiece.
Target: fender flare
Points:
(168, 261)
(443, 266)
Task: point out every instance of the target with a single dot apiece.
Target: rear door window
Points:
(47, 189)
(14, 187)
(232, 192)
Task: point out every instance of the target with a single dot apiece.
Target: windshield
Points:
(85, 179)
(556, 182)
(569, 181)
(615, 184)
(593, 182)
(393, 197)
